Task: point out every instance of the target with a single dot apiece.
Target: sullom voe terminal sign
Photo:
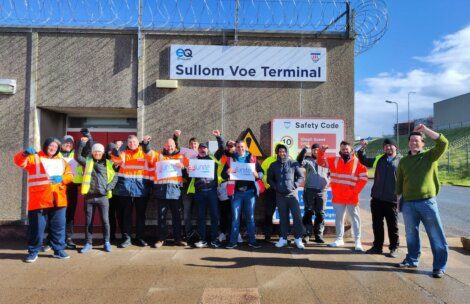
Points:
(251, 63)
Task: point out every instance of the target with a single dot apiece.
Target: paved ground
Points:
(183, 275)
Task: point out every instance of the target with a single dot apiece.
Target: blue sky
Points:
(426, 42)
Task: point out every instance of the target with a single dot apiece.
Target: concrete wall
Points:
(453, 112)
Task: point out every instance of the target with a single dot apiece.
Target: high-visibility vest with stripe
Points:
(133, 164)
(41, 192)
(87, 176)
(376, 160)
(78, 176)
(191, 187)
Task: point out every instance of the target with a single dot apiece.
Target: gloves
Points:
(56, 179)
(29, 151)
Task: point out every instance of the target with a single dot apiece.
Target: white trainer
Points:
(358, 246)
(336, 243)
(240, 239)
(281, 243)
(299, 244)
(221, 237)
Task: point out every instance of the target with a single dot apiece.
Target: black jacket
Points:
(284, 175)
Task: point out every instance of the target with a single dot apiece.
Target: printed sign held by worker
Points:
(242, 171)
(201, 168)
(72, 164)
(53, 167)
(168, 168)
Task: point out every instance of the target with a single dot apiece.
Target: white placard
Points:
(252, 63)
(203, 168)
(244, 171)
(168, 168)
(53, 167)
(299, 132)
(72, 164)
(189, 153)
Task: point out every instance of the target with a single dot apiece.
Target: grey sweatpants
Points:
(286, 203)
(340, 212)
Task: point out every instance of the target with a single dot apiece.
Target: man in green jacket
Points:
(418, 185)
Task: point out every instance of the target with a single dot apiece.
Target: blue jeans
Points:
(37, 223)
(207, 198)
(243, 201)
(415, 212)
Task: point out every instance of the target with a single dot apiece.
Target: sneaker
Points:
(125, 243)
(231, 246)
(254, 245)
(222, 237)
(393, 253)
(299, 244)
(107, 247)
(86, 248)
(201, 244)
(31, 257)
(240, 239)
(336, 243)
(281, 243)
(45, 248)
(374, 250)
(158, 244)
(319, 240)
(437, 274)
(69, 244)
(140, 243)
(181, 243)
(358, 246)
(61, 255)
(406, 264)
(306, 239)
(215, 244)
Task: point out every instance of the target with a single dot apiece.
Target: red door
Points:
(103, 138)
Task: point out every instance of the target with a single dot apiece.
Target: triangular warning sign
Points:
(252, 143)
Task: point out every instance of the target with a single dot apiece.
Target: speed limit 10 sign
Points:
(297, 133)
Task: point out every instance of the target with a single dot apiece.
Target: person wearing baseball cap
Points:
(384, 202)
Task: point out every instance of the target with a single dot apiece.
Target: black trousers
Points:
(72, 197)
(269, 209)
(314, 204)
(114, 216)
(225, 218)
(389, 211)
(127, 204)
(176, 208)
(91, 204)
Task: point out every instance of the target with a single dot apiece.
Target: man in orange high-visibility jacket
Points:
(167, 191)
(348, 178)
(47, 197)
(133, 187)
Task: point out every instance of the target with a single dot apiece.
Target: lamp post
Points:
(409, 124)
(397, 127)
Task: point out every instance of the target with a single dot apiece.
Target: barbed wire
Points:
(369, 20)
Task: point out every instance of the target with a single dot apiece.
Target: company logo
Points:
(184, 54)
(315, 57)
(287, 124)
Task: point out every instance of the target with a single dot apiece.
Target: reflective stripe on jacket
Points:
(41, 192)
(87, 176)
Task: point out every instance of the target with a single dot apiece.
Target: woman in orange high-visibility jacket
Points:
(348, 178)
(47, 197)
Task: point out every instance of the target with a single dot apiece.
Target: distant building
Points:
(403, 126)
(453, 112)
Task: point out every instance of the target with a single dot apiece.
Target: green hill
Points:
(452, 170)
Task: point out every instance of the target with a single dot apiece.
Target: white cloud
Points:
(446, 73)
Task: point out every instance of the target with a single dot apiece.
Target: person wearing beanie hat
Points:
(99, 179)
(47, 200)
(316, 184)
(383, 204)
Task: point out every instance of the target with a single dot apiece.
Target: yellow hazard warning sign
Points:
(252, 143)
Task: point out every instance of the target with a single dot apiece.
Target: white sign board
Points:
(73, 164)
(251, 63)
(203, 168)
(168, 168)
(243, 171)
(53, 167)
(299, 132)
(189, 153)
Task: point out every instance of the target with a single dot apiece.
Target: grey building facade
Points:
(65, 76)
(453, 112)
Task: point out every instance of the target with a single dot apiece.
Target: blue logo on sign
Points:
(184, 54)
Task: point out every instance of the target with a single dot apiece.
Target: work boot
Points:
(319, 240)
(69, 244)
(374, 250)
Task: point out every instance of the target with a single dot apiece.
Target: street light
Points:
(397, 127)
(409, 127)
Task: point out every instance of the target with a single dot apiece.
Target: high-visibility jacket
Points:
(156, 156)
(134, 176)
(223, 160)
(191, 187)
(347, 179)
(78, 174)
(87, 176)
(41, 192)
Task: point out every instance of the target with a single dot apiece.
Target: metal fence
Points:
(366, 20)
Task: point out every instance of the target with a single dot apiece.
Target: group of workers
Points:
(123, 177)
